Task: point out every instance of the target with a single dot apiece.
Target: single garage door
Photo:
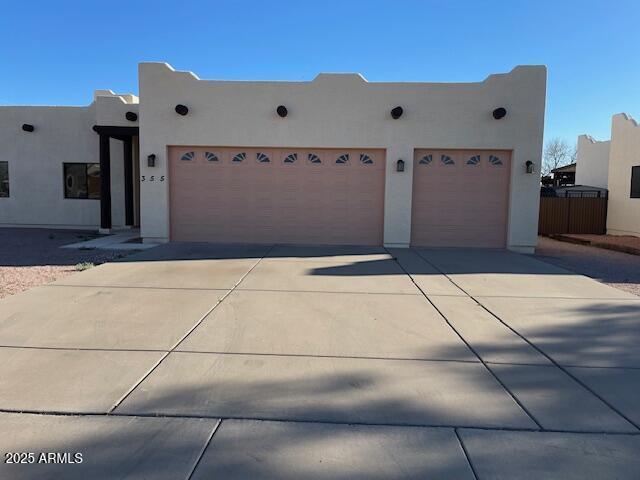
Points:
(277, 195)
(460, 198)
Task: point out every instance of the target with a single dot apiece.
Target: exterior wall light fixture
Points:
(400, 165)
(151, 160)
(529, 166)
(131, 116)
(182, 109)
(499, 113)
(27, 127)
(396, 112)
(282, 111)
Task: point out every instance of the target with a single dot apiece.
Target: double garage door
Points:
(331, 196)
(266, 195)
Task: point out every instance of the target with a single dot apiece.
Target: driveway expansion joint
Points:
(222, 418)
(350, 357)
(497, 379)
(129, 287)
(466, 453)
(204, 449)
(533, 345)
(184, 337)
(87, 349)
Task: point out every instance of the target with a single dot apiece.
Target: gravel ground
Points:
(620, 270)
(621, 243)
(31, 256)
(625, 240)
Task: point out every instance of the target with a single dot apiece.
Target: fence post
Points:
(568, 214)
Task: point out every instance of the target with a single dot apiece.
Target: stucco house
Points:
(592, 162)
(564, 175)
(335, 160)
(615, 165)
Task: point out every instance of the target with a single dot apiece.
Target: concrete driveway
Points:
(199, 361)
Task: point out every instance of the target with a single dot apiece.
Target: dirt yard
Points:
(30, 257)
(620, 270)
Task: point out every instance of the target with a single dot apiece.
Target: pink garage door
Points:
(460, 198)
(283, 195)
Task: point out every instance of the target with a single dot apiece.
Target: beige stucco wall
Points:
(623, 215)
(62, 134)
(346, 111)
(111, 108)
(592, 162)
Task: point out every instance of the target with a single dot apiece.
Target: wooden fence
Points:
(573, 215)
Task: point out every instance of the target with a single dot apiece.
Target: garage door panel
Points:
(460, 198)
(277, 195)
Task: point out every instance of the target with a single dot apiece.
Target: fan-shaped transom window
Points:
(447, 160)
(366, 159)
(291, 158)
(343, 159)
(493, 160)
(313, 158)
(475, 160)
(262, 157)
(211, 157)
(240, 157)
(187, 157)
(426, 160)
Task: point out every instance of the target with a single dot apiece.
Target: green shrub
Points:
(84, 266)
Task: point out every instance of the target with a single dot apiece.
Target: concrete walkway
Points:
(119, 240)
(199, 361)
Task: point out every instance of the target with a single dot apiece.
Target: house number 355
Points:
(152, 178)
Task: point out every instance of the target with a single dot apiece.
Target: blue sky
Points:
(59, 52)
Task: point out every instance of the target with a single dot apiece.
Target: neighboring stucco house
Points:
(50, 164)
(623, 213)
(335, 160)
(592, 162)
(615, 165)
(564, 175)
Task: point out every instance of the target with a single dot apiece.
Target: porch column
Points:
(105, 183)
(128, 180)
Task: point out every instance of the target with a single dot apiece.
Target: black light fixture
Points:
(396, 112)
(529, 166)
(282, 111)
(400, 165)
(151, 160)
(182, 109)
(131, 116)
(499, 113)
(27, 127)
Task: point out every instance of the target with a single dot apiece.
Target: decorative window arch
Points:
(474, 160)
(313, 158)
(211, 157)
(495, 161)
(447, 160)
(291, 158)
(426, 160)
(366, 159)
(240, 157)
(343, 159)
(262, 157)
(188, 156)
